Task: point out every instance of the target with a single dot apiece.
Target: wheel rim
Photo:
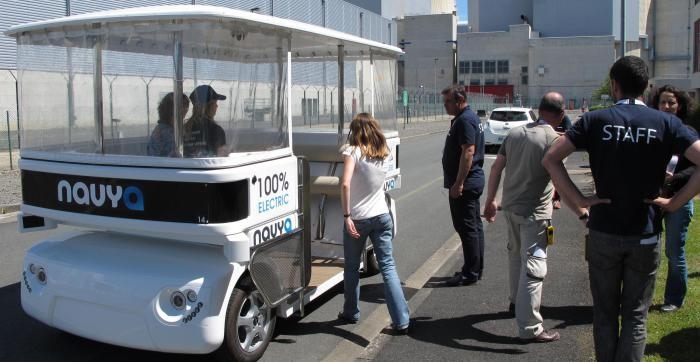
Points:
(253, 322)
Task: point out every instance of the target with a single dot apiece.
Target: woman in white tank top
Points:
(366, 214)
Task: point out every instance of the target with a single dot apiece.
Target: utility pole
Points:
(623, 46)
(454, 60)
(435, 90)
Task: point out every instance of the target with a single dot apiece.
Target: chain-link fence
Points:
(419, 104)
(9, 140)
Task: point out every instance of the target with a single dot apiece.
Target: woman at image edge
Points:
(672, 100)
(366, 213)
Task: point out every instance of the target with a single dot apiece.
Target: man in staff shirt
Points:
(629, 146)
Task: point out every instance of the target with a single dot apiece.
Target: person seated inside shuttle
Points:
(162, 141)
(202, 136)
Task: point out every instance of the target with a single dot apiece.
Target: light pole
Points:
(454, 60)
(435, 90)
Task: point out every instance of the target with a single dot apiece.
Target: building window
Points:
(503, 66)
(490, 81)
(502, 81)
(475, 82)
(523, 80)
(461, 82)
(696, 51)
(464, 67)
(490, 66)
(477, 66)
(523, 69)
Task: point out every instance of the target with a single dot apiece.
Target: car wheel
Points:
(250, 325)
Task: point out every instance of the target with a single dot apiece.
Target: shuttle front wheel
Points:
(250, 325)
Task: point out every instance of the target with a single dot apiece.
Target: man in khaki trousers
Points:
(527, 208)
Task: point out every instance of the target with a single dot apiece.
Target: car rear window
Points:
(508, 116)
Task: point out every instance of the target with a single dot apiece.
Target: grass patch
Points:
(675, 336)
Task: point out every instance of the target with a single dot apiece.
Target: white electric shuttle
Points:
(176, 253)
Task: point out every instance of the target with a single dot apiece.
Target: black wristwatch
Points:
(584, 216)
(347, 215)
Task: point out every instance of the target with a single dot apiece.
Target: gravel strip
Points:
(10, 188)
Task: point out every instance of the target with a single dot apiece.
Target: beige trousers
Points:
(527, 256)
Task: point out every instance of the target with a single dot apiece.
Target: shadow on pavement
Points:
(454, 332)
(374, 293)
(568, 315)
(295, 326)
(330, 327)
(676, 346)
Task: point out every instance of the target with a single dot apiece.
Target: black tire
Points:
(250, 325)
(372, 267)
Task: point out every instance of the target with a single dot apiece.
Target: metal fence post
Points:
(9, 137)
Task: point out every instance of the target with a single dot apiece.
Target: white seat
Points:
(325, 185)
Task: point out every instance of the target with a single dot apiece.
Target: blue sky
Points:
(462, 10)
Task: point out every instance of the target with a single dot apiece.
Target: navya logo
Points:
(98, 194)
(272, 230)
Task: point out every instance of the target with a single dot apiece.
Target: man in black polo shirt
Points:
(462, 161)
(629, 146)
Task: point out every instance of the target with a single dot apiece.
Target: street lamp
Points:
(402, 63)
(454, 60)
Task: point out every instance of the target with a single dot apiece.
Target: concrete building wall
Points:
(427, 35)
(557, 18)
(374, 6)
(672, 45)
(645, 15)
(573, 66)
(497, 15)
(511, 45)
(695, 76)
(631, 19)
(443, 6)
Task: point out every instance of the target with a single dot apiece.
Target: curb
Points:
(7, 209)
(8, 213)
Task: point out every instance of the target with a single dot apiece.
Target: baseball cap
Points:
(205, 93)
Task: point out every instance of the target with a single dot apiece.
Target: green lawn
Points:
(676, 336)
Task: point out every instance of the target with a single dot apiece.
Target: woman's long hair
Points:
(366, 134)
(684, 102)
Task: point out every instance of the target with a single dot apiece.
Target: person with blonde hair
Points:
(366, 160)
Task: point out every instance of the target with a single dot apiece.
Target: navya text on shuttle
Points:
(97, 194)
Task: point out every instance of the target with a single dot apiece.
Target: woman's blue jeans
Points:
(676, 232)
(380, 230)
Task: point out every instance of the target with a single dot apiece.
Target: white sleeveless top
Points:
(367, 185)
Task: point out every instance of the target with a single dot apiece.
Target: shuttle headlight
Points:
(191, 296)
(177, 300)
(41, 276)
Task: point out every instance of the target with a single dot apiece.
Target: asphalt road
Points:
(472, 323)
(449, 323)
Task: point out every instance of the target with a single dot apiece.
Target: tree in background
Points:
(604, 89)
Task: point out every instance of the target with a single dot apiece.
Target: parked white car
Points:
(502, 120)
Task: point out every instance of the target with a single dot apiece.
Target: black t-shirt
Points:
(564, 125)
(629, 146)
(465, 129)
(203, 138)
